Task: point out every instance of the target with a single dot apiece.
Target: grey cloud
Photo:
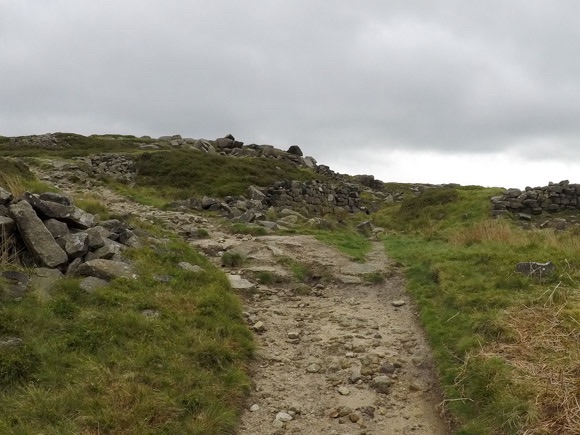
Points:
(448, 76)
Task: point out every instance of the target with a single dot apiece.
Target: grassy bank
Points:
(163, 354)
(506, 345)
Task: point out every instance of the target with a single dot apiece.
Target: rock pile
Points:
(49, 231)
(116, 166)
(229, 146)
(534, 201)
(43, 141)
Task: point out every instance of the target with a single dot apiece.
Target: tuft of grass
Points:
(232, 259)
(266, 278)
(16, 177)
(374, 278)
(93, 204)
(254, 230)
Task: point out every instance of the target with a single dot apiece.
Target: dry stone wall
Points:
(556, 197)
(313, 197)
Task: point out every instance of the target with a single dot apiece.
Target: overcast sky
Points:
(430, 91)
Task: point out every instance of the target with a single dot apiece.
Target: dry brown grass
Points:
(490, 230)
(547, 357)
(13, 184)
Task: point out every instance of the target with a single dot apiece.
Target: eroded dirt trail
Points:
(340, 359)
(336, 355)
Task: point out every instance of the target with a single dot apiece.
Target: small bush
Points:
(266, 278)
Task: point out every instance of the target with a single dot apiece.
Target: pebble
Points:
(293, 335)
(382, 384)
(343, 391)
(283, 416)
(254, 408)
(313, 368)
(398, 303)
(277, 423)
(259, 327)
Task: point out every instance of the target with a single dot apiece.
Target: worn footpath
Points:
(340, 349)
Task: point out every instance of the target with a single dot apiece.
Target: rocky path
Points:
(340, 350)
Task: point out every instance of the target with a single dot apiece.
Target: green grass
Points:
(73, 145)
(460, 270)
(94, 363)
(232, 259)
(16, 177)
(254, 230)
(352, 243)
(194, 173)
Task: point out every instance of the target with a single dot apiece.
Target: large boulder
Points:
(295, 150)
(36, 236)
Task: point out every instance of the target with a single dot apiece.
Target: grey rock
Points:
(56, 197)
(16, 283)
(365, 228)
(259, 326)
(90, 284)
(97, 236)
(283, 416)
(75, 245)
(535, 269)
(5, 197)
(57, 228)
(43, 279)
(107, 269)
(289, 221)
(309, 162)
(239, 283)
(207, 202)
(343, 391)
(382, 384)
(278, 424)
(254, 408)
(110, 250)
(269, 225)
(73, 266)
(11, 342)
(150, 313)
(293, 335)
(255, 193)
(355, 374)
(224, 143)
(36, 236)
(398, 303)
(190, 267)
(295, 150)
(387, 368)
(69, 214)
(313, 368)
(7, 226)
